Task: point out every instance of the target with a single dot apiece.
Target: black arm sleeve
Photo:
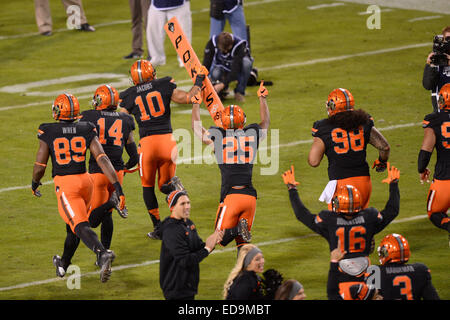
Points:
(392, 207)
(423, 160)
(208, 54)
(132, 152)
(333, 283)
(301, 212)
(430, 77)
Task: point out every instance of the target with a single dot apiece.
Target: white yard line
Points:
(151, 262)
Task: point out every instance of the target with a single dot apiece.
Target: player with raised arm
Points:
(235, 146)
(149, 102)
(348, 223)
(66, 142)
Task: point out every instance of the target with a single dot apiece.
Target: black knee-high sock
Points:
(89, 237)
(151, 202)
(440, 220)
(98, 214)
(70, 247)
(107, 231)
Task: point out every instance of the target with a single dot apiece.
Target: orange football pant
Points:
(74, 194)
(157, 154)
(235, 207)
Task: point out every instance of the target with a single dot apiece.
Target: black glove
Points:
(34, 190)
(199, 80)
(380, 165)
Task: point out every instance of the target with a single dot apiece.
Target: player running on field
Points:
(235, 148)
(149, 102)
(66, 142)
(437, 136)
(343, 137)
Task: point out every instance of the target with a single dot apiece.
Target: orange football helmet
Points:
(66, 107)
(444, 97)
(347, 200)
(142, 71)
(104, 97)
(340, 100)
(233, 117)
(393, 248)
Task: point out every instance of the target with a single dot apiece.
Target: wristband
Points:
(423, 160)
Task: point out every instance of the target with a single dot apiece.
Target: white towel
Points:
(328, 192)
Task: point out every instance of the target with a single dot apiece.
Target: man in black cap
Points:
(182, 250)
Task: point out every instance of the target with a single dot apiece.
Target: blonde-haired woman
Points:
(244, 283)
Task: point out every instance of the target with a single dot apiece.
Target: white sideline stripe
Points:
(290, 65)
(284, 145)
(151, 262)
(348, 56)
(325, 5)
(424, 18)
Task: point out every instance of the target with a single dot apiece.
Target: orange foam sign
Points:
(192, 64)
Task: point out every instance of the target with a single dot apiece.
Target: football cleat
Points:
(233, 117)
(393, 248)
(243, 230)
(114, 199)
(339, 100)
(155, 234)
(346, 200)
(66, 107)
(105, 97)
(142, 71)
(60, 270)
(444, 97)
(104, 261)
(173, 184)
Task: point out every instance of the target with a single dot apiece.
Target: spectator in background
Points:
(44, 18)
(139, 12)
(244, 283)
(290, 290)
(182, 250)
(227, 58)
(435, 77)
(231, 10)
(159, 13)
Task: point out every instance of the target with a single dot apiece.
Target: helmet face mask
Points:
(66, 107)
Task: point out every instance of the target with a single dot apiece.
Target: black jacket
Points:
(246, 286)
(434, 78)
(182, 250)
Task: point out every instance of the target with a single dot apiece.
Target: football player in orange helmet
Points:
(398, 279)
(66, 142)
(437, 136)
(343, 137)
(349, 225)
(149, 102)
(235, 146)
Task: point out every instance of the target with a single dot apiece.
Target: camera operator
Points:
(437, 68)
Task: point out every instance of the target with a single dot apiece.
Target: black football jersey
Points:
(345, 150)
(113, 130)
(235, 152)
(355, 234)
(67, 142)
(440, 123)
(406, 282)
(149, 103)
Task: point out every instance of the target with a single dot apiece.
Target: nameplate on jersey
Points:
(192, 64)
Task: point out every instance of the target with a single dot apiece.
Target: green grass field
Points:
(306, 53)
